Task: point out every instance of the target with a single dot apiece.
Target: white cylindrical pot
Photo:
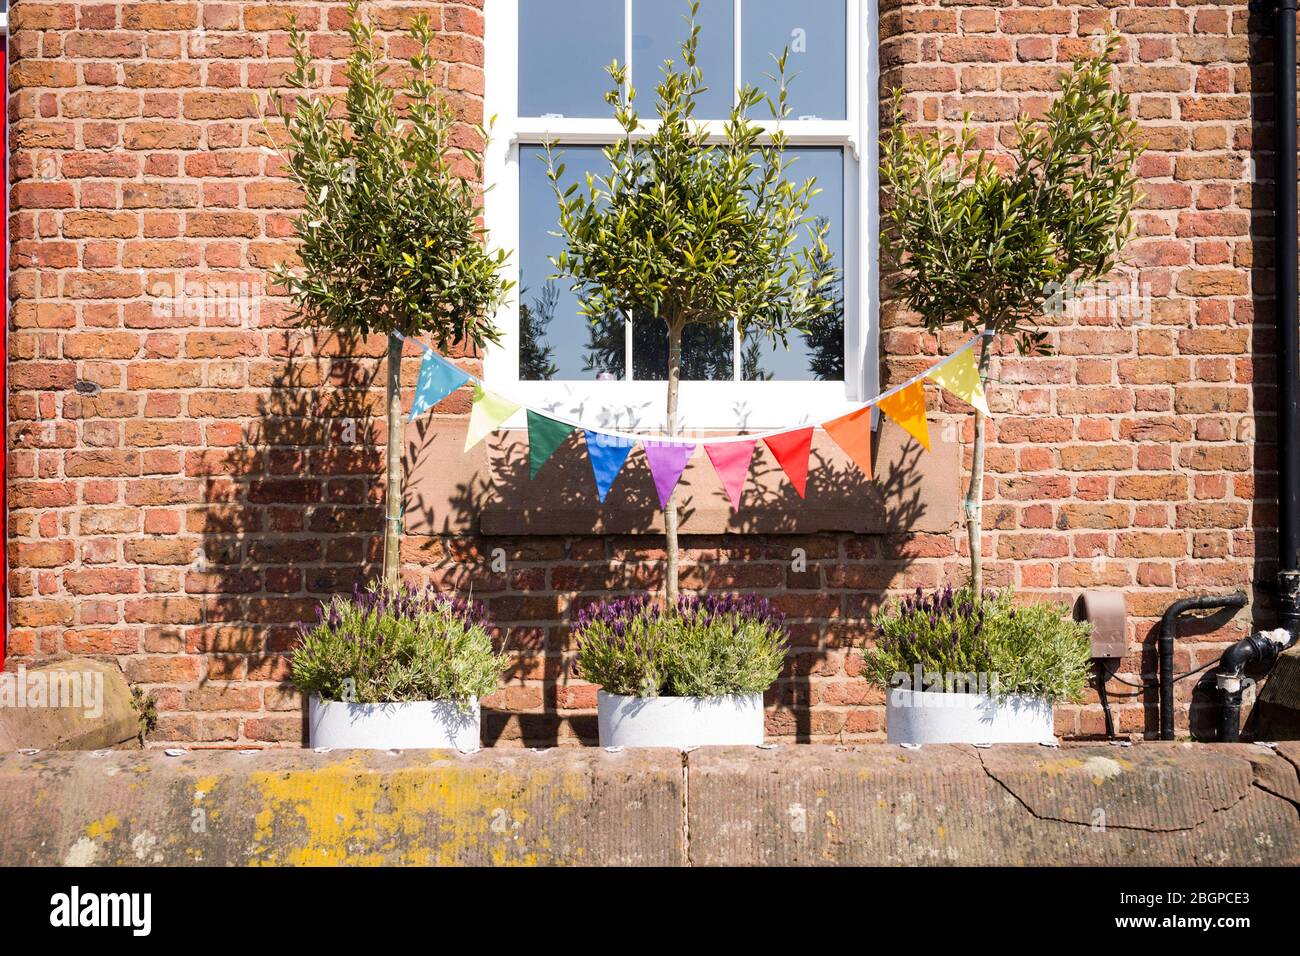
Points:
(926, 717)
(681, 722)
(416, 725)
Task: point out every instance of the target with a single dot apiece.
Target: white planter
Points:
(680, 722)
(418, 725)
(924, 717)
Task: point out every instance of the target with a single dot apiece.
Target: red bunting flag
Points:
(852, 432)
(791, 450)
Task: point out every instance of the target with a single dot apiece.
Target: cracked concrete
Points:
(1152, 803)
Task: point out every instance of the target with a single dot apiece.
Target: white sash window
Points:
(545, 81)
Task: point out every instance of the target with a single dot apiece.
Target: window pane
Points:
(564, 47)
(658, 30)
(707, 351)
(555, 340)
(817, 355)
(813, 31)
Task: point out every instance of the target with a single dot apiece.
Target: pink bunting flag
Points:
(731, 462)
(791, 450)
(667, 461)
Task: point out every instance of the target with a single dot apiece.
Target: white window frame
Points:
(639, 405)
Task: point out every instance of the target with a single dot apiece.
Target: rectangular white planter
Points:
(926, 717)
(416, 725)
(680, 722)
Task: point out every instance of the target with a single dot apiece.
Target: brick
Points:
(102, 581)
(1151, 487)
(210, 106)
(100, 105)
(161, 135)
(100, 225)
(160, 16)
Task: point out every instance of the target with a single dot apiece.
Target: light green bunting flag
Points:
(489, 411)
(544, 436)
(961, 376)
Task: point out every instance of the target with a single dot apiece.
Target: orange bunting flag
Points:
(852, 432)
(906, 408)
(791, 450)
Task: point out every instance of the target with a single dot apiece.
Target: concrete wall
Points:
(1083, 804)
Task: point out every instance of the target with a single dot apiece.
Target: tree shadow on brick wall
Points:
(292, 515)
(556, 549)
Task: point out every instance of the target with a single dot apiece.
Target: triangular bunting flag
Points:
(607, 454)
(961, 376)
(906, 409)
(667, 461)
(438, 379)
(791, 450)
(731, 462)
(852, 432)
(488, 412)
(544, 436)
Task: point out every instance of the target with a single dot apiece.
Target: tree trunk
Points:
(975, 492)
(672, 568)
(393, 495)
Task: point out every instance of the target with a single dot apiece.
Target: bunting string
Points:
(720, 439)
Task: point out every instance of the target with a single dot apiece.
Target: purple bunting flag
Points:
(667, 461)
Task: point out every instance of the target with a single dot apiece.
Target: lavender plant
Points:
(1033, 649)
(712, 646)
(397, 644)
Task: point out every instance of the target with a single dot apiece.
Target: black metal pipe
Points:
(1231, 680)
(1288, 316)
(1105, 699)
(1229, 716)
(1168, 632)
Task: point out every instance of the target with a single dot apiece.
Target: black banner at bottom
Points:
(338, 907)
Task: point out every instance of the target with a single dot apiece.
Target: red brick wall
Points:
(188, 513)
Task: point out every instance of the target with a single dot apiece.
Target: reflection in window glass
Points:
(706, 351)
(564, 47)
(658, 30)
(818, 354)
(813, 31)
(556, 342)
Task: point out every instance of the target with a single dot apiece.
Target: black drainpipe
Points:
(1288, 318)
(1261, 648)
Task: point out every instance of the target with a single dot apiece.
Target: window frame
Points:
(638, 405)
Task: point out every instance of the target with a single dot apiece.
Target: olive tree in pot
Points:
(986, 249)
(961, 670)
(389, 238)
(686, 677)
(695, 233)
(396, 667)
(982, 249)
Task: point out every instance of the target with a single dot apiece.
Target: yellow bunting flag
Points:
(961, 376)
(489, 411)
(852, 432)
(906, 409)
